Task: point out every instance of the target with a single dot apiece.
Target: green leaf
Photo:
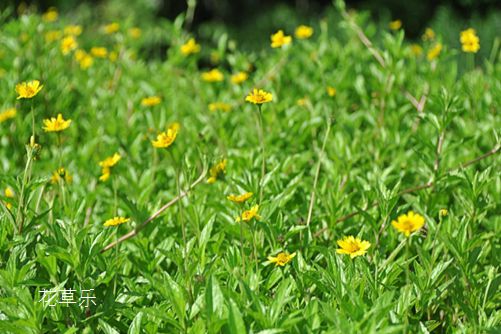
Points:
(235, 320)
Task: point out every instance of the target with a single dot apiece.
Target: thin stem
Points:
(263, 154)
(26, 178)
(317, 173)
(33, 121)
(155, 215)
(414, 188)
(254, 245)
(60, 149)
(242, 245)
(115, 197)
(181, 219)
(407, 279)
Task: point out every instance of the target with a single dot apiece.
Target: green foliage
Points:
(401, 133)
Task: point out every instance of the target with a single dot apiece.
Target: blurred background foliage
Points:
(263, 15)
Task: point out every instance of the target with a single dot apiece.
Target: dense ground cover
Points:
(122, 221)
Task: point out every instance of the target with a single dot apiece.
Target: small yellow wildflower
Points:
(61, 174)
(52, 35)
(166, 138)
(278, 39)
(395, 25)
(303, 32)
(27, 90)
(111, 28)
(68, 44)
(248, 215)
(239, 77)
(434, 52)
(213, 75)
(240, 198)
(216, 171)
(7, 114)
(221, 106)
(56, 124)
(134, 32)
(9, 193)
(73, 30)
(84, 59)
(190, 47)
(429, 35)
(302, 101)
(408, 223)
(443, 212)
(469, 40)
(107, 164)
(116, 221)
(113, 56)
(416, 49)
(352, 246)
(50, 15)
(99, 52)
(331, 91)
(281, 259)
(151, 101)
(259, 96)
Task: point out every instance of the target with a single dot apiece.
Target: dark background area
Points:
(414, 14)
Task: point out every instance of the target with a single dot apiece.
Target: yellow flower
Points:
(99, 52)
(61, 174)
(116, 221)
(302, 101)
(395, 25)
(166, 138)
(113, 56)
(27, 90)
(331, 91)
(443, 212)
(239, 77)
(281, 259)
(134, 32)
(278, 39)
(303, 32)
(110, 161)
(240, 198)
(111, 28)
(50, 15)
(56, 124)
(352, 246)
(84, 59)
(9, 193)
(151, 101)
(214, 75)
(416, 49)
(73, 30)
(107, 164)
(408, 223)
(7, 114)
(429, 35)
(434, 52)
(469, 40)
(52, 36)
(259, 96)
(68, 44)
(216, 171)
(219, 106)
(190, 47)
(248, 215)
